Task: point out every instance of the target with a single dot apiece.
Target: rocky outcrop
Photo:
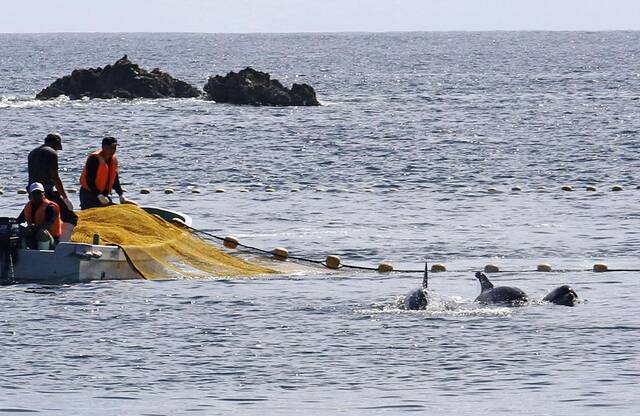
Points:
(251, 87)
(123, 79)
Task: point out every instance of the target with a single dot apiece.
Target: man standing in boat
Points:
(100, 176)
(43, 169)
(44, 225)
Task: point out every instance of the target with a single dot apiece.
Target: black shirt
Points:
(43, 166)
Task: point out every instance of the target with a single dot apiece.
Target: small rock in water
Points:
(251, 87)
(123, 79)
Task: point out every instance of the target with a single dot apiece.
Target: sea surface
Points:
(412, 157)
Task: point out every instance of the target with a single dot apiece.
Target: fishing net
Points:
(159, 249)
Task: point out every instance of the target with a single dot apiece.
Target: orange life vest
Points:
(105, 176)
(40, 216)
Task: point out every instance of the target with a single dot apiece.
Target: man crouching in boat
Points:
(100, 176)
(44, 225)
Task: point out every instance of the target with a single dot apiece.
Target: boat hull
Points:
(72, 263)
(79, 262)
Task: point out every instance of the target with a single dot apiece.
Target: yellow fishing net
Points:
(157, 248)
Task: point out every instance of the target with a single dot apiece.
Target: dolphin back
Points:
(562, 295)
(502, 294)
(415, 300)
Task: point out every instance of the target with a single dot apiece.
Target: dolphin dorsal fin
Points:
(425, 279)
(485, 283)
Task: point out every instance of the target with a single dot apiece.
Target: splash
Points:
(17, 102)
(439, 307)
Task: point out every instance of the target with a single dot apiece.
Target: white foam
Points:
(18, 102)
(439, 307)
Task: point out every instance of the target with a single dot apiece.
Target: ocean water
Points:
(411, 158)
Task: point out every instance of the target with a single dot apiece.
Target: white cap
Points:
(36, 186)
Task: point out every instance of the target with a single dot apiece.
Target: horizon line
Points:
(324, 32)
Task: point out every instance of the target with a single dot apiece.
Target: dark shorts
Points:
(66, 215)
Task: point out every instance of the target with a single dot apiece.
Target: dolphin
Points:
(501, 294)
(418, 298)
(562, 295)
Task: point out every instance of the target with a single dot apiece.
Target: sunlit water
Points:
(396, 165)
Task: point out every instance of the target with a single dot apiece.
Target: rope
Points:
(320, 262)
(131, 263)
(195, 230)
(375, 269)
(412, 271)
(555, 271)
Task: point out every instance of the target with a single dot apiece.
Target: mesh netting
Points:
(159, 249)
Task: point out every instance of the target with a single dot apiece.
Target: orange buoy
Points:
(230, 241)
(333, 262)
(491, 268)
(280, 253)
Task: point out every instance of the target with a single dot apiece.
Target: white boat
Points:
(69, 262)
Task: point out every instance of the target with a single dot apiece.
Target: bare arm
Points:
(58, 183)
(56, 178)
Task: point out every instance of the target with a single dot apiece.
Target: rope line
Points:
(366, 268)
(320, 262)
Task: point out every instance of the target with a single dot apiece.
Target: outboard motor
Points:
(9, 243)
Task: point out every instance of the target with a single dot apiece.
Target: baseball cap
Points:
(109, 141)
(54, 140)
(36, 186)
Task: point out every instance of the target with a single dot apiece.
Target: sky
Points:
(285, 16)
